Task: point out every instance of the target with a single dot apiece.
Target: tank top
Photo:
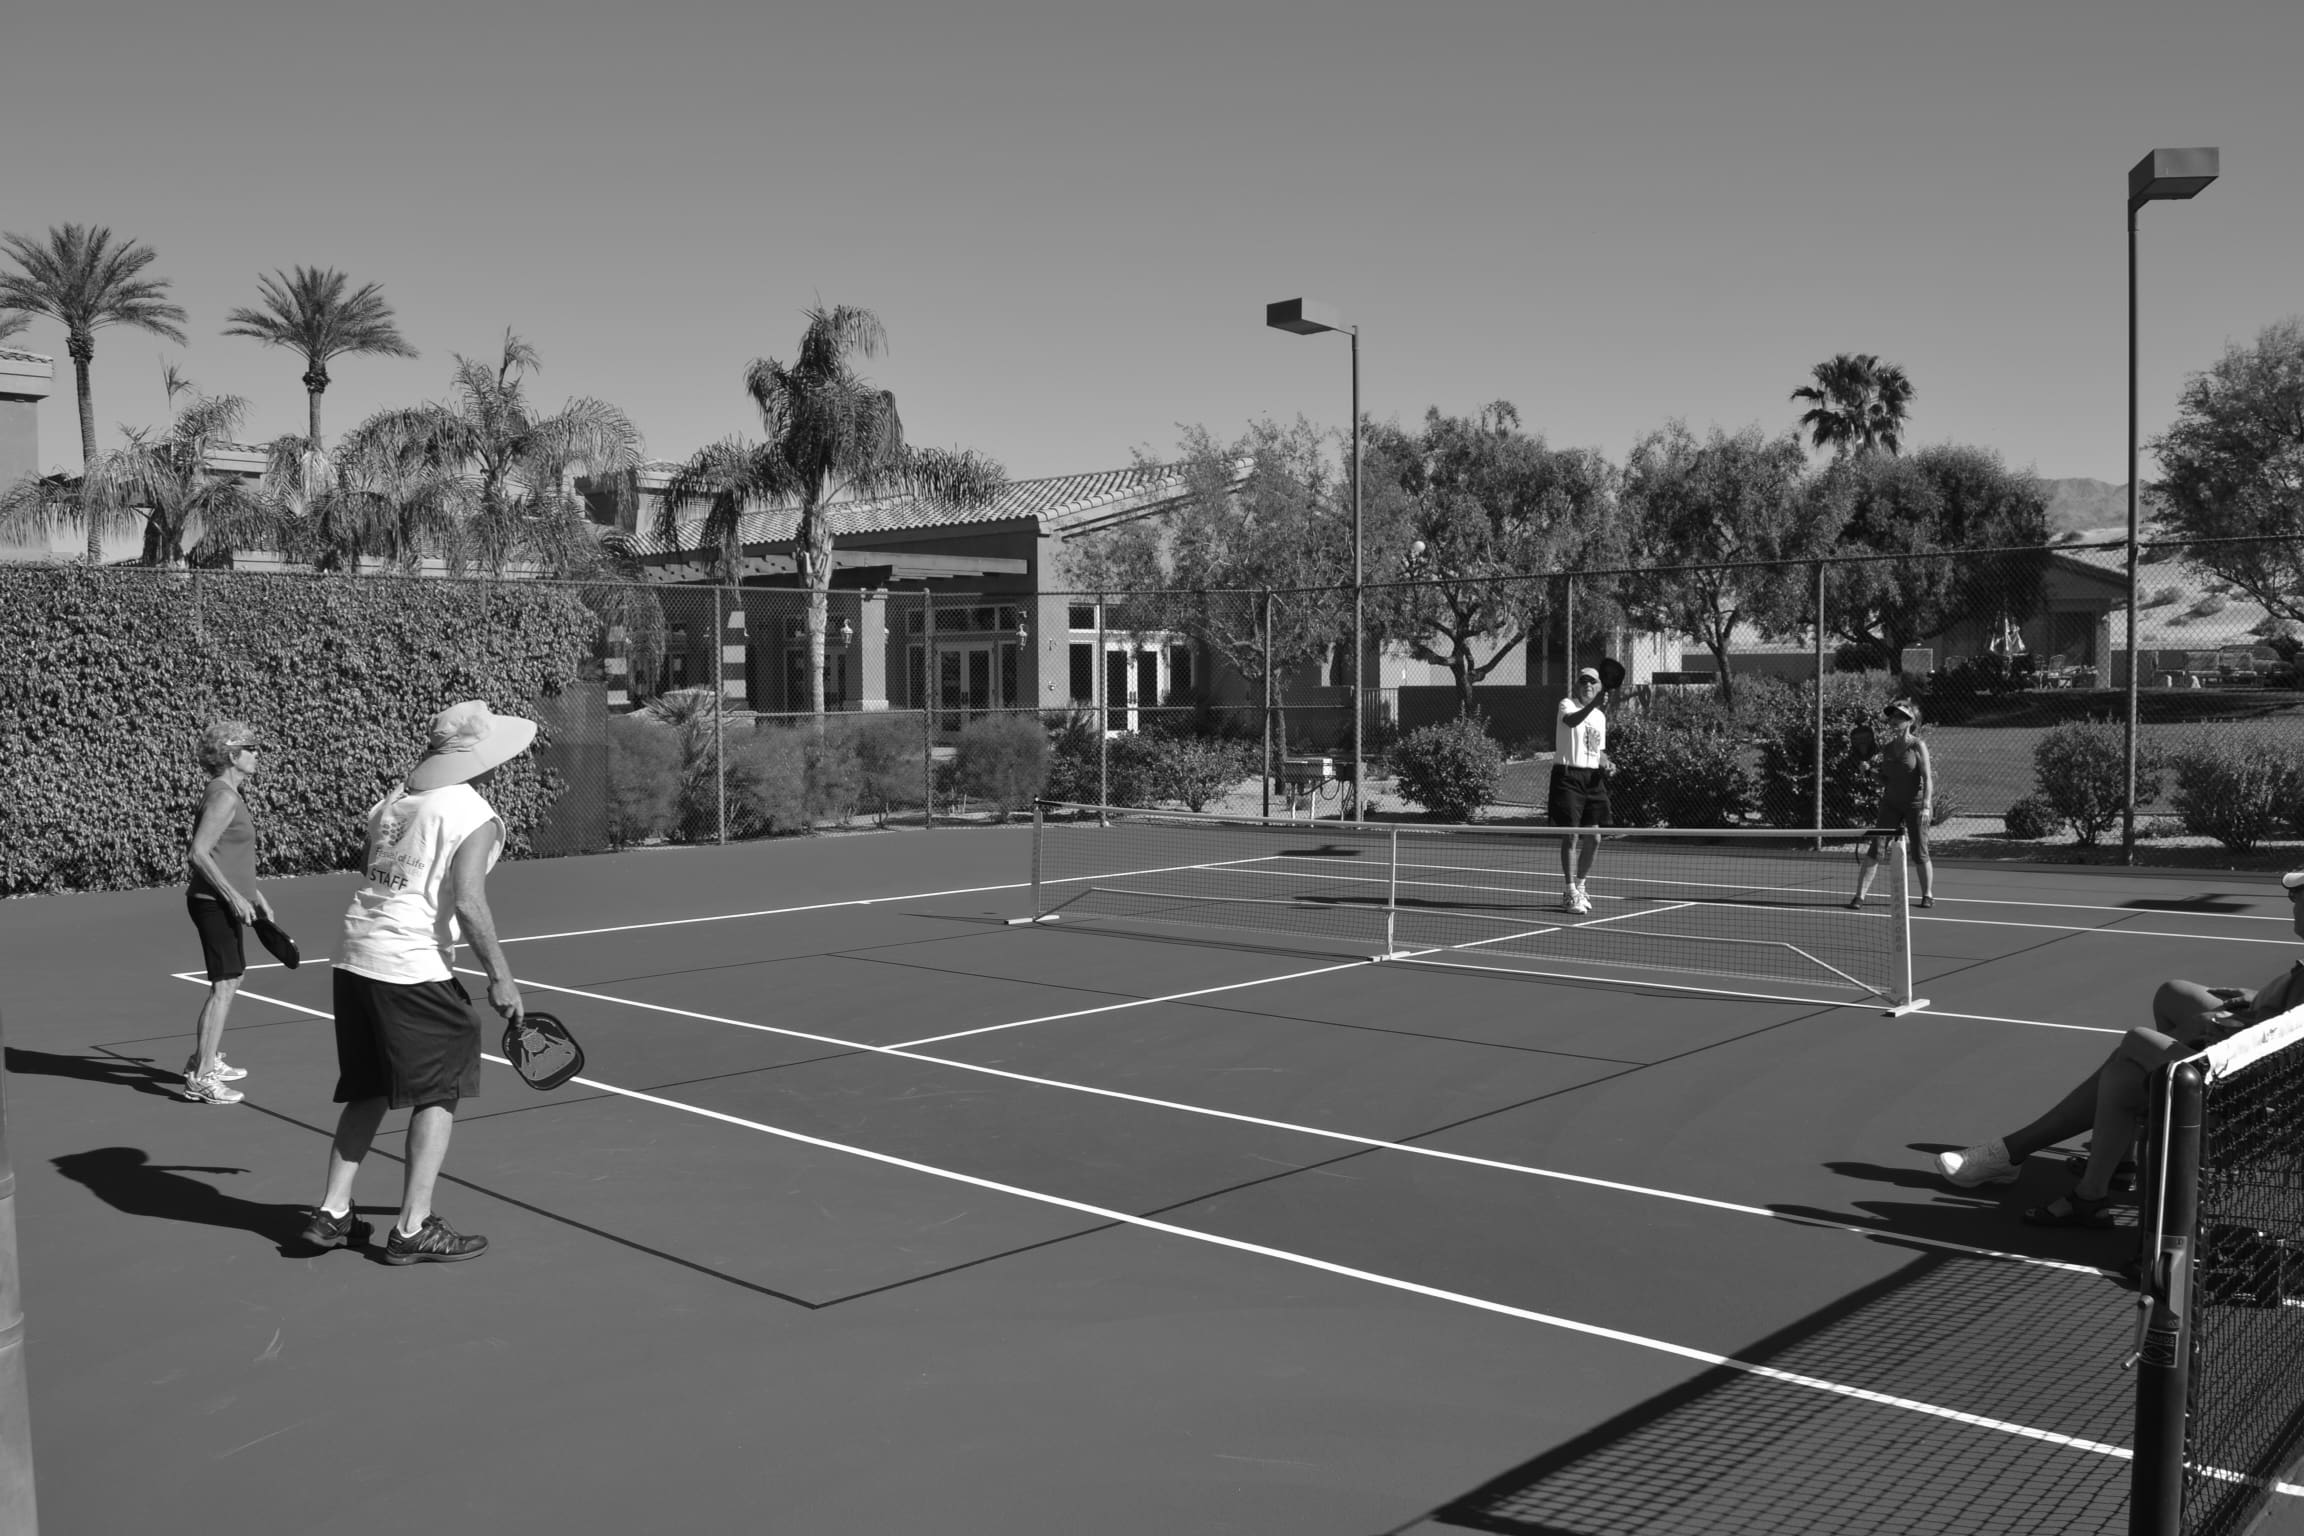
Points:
(396, 930)
(234, 854)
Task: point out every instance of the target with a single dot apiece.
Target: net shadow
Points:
(1734, 1454)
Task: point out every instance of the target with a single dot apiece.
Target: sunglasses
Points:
(247, 746)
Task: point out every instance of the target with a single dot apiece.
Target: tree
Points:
(1699, 514)
(1463, 511)
(309, 312)
(830, 433)
(167, 482)
(85, 279)
(1268, 512)
(1925, 509)
(1858, 404)
(2233, 468)
(12, 323)
(485, 474)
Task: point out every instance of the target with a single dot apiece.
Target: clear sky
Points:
(1070, 214)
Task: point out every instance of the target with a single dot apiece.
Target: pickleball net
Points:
(2220, 1396)
(1713, 910)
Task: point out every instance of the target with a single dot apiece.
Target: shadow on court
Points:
(1736, 1454)
(126, 1179)
(1982, 1218)
(135, 1072)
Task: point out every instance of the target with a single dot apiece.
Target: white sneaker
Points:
(208, 1090)
(225, 1072)
(1987, 1164)
(1579, 900)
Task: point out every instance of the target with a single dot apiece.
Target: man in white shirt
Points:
(1580, 783)
(407, 1035)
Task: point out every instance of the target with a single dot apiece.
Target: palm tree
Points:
(1857, 404)
(308, 311)
(166, 481)
(830, 433)
(500, 474)
(12, 323)
(84, 278)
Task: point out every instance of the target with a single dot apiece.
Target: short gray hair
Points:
(220, 741)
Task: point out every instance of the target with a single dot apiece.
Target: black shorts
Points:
(220, 933)
(414, 1043)
(1914, 820)
(1579, 797)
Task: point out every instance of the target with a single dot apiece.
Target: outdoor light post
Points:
(1308, 317)
(2165, 175)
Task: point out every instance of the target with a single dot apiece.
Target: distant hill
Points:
(2085, 505)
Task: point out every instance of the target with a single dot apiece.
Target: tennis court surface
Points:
(877, 1209)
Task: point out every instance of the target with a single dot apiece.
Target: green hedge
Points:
(110, 677)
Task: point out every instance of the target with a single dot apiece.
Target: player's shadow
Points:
(1987, 1217)
(126, 1179)
(137, 1072)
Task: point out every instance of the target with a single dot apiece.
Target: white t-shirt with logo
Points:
(396, 929)
(1580, 745)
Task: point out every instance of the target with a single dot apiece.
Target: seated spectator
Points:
(2186, 1017)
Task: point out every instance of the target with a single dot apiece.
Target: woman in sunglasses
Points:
(223, 900)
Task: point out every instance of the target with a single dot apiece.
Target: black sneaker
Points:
(433, 1243)
(326, 1231)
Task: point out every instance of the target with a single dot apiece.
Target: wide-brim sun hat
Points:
(468, 739)
(1900, 711)
(2293, 879)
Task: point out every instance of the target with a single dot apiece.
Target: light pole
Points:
(1309, 317)
(2165, 175)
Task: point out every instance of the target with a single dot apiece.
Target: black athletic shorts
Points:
(220, 934)
(1913, 819)
(1579, 797)
(414, 1043)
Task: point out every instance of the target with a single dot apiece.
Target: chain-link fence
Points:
(698, 713)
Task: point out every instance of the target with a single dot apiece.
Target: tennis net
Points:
(2220, 1397)
(1708, 908)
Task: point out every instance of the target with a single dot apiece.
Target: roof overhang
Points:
(900, 564)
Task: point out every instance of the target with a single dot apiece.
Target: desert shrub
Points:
(1787, 739)
(1450, 770)
(2080, 770)
(1196, 770)
(643, 779)
(112, 674)
(2031, 818)
(767, 783)
(1678, 767)
(833, 772)
(888, 751)
(1003, 759)
(2241, 792)
(693, 717)
(1072, 740)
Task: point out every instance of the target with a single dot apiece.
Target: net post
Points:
(1267, 775)
(2156, 1475)
(1900, 924)
(1038, 822)
(18, 1512)
(719, 719)
(1817, 766)
(1392, 891)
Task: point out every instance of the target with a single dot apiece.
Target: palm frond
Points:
(13, 323)
(85, 278)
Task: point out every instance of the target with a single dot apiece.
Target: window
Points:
(1080, 616)
(1083, 674)
(1179, 672)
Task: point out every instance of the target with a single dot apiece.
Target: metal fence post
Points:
(2156, 1475)
(1103, 721)
(927, 708)
(719, 717)
(1268, 763)
(1392, 892)
(1817, 779)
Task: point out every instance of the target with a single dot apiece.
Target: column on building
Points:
(733, 693)
(871, 650)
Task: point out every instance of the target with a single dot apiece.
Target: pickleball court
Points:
(878, 1209)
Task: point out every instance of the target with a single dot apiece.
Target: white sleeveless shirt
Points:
(396, 929)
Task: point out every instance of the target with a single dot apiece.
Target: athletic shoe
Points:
(209, 1090)
(433, 1243)
(225, 1072)
(1987, 1164)
(326, 1231)
(1578, 900)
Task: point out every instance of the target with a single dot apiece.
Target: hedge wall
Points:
(109, 676)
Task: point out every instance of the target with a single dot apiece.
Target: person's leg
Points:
(208, 1030)
(428, 1132)
(1568, 863)
(2180, 1009)
(1587, 849)
(1867, 864)
(355, 1133)
(1916, 849)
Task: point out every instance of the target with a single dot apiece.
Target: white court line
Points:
(1933, 1012)
(1370, 1277)
(1134, 1002)
(2110, 930)
(1237, 1117)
